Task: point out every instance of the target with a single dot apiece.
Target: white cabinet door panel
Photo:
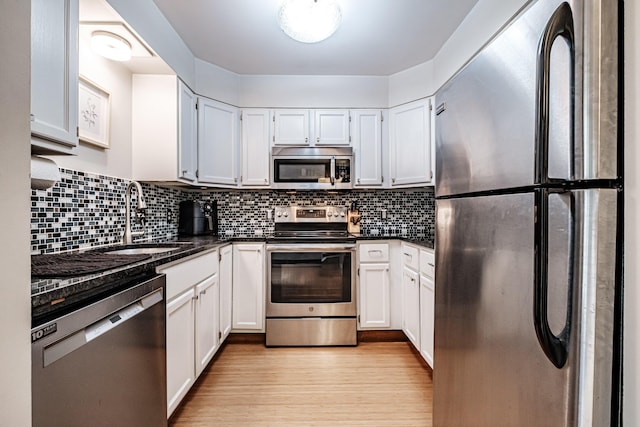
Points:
(207, 322)
(366, 131)
(427, 302)
(187, 133)
(291, 127)
(374, 296)
(217, 142)
(226, 281)
(411, 306)
(248, 287)
(332, 127)
(180, 348)
(255, 147)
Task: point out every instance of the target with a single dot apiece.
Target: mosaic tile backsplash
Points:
(86, 210)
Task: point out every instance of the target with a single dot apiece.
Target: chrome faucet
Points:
(128, 235)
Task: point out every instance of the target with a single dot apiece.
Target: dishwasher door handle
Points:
(59, 349)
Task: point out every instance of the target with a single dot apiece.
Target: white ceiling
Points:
(377, 37)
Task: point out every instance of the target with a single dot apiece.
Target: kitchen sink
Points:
(134, 251)
(146, 248)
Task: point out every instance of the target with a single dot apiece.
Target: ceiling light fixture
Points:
(111, 45)
(309, 21)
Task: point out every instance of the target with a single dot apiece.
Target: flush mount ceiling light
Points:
(309, 21)
(111, 45)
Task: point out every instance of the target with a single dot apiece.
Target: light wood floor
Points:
(373, 384)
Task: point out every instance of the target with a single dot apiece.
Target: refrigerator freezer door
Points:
(486, 116)
(492, 370)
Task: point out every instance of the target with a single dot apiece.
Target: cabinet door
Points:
(255, 147)
(331, 127)
(180, 348)
(207, 320)
(187, 133)
(374, 296)
(411, 306)
(410, 143)
(366, 130)
(226, 280)
(291, 127)
(426, 318)
(217, 142)
(248, 287)
(54, 74)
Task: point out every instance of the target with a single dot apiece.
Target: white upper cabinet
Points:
(218, 142)
(410, 147)
(291, 127)
(255, 146)
(366, 131)
(163, 129)
(54, 76)
(331, 127)
(187, 133)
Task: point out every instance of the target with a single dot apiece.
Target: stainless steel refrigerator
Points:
(528, 226)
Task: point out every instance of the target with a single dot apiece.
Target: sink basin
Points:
(145, 248)
(134, 251)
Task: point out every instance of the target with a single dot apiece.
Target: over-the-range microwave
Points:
(311, 168)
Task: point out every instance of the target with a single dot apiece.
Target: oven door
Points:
(311, 280)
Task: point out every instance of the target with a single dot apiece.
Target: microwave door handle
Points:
(333, 171)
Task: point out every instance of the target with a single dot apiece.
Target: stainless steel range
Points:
(311, 297)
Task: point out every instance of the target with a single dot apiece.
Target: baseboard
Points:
(363, 336)
(382, 336)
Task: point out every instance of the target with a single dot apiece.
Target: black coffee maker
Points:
(198, 218)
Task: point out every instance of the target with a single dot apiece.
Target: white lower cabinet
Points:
(192, 327)
(427, 304)
(248, 287)
(411, 305)
(207, 321)
(180, 347)
(427, 300)
(374, 291)
(226, 282)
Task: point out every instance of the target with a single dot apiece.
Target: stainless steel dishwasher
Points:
(104, 364)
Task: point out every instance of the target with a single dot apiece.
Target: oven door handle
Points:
(311, 248)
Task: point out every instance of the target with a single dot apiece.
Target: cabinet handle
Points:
(265, 180)
(306, 140)
(431, 265)
(318, 139)
(195, 298)
(377, 251)
(184, 172)
(358, 180)
(409, 255)
(204, 291)
(393, 180)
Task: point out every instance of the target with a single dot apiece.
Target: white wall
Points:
(314, 91)
(216, 83)
(147, 20)
(411, 84)
(15, 314)
(632, 213)
(115, 78)
(484, 21)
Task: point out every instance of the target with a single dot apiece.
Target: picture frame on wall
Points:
(94, 104)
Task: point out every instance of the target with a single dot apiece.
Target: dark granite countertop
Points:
(55, 295)
(420, 241)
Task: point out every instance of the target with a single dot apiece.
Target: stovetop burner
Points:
(311, 224)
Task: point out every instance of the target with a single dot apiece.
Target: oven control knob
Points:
(279, 214)
(335, 213)
(310, 308)
(286, 214)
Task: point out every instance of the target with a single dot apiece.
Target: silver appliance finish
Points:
(327, 154)
(527, 228)
(104, 364)
(320, 231)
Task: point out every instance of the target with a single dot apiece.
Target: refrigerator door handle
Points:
(560, 25)
(554, 346)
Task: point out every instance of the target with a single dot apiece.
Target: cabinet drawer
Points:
(374, 252)
(188, 272)
(410, 257)
(427, 263)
